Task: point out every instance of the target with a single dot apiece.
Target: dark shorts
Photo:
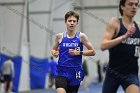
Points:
(69, 78)
(112, 83)
(61, 82)
(7, 78)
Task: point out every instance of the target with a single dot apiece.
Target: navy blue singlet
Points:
(124, 57)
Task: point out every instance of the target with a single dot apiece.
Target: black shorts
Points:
(111, 84)
(61, 82)
(7, 78)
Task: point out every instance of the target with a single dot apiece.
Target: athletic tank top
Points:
(66, 59)
(123, 58)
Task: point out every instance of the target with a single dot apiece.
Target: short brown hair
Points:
(71, 13)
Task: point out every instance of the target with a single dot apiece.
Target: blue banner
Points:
(17, 68)
(38, 71)
(2, 59)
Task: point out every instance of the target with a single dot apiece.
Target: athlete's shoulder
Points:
(114, 21)
(82, 34)
(83, 37)
(59, 35)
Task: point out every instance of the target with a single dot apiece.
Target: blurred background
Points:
(28, 28)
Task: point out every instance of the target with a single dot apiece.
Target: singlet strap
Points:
(77, 34)
(136, 25)
(64, 34)
(121, 24)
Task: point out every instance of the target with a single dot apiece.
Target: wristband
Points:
(81, 52)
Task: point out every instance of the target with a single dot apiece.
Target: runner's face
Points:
(71, 23)
(130, 8)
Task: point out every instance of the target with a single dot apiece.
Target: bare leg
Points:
(61, 90)
(132, 89)
(5, 87)
(11, 86)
